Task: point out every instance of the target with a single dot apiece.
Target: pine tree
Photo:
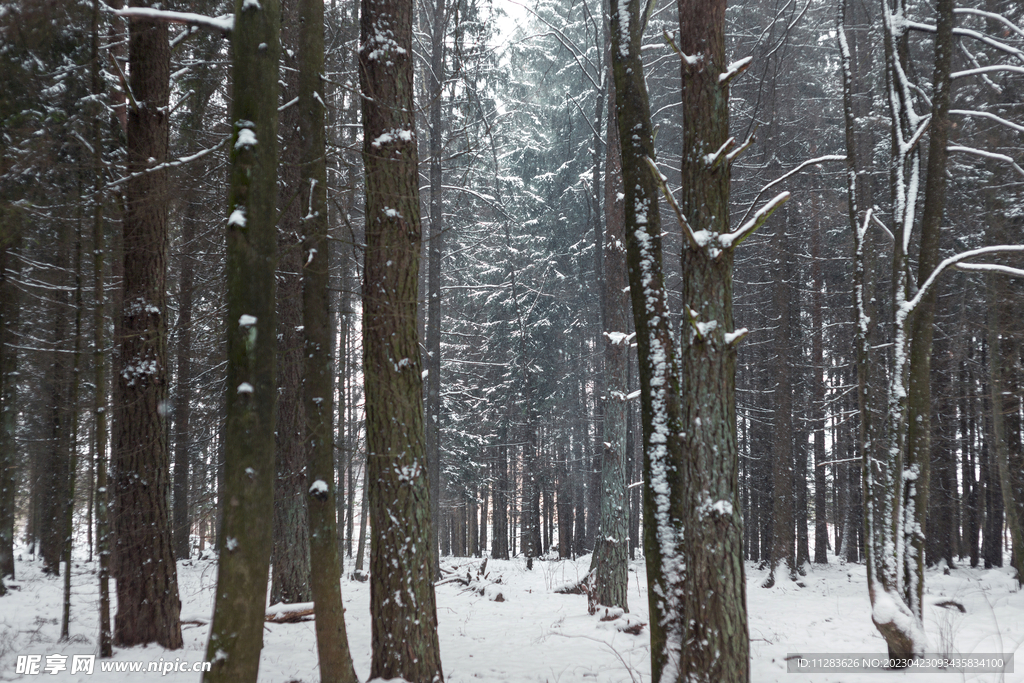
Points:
(236, 634)
(147, 598)
(402, 603)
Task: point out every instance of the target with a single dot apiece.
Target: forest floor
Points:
(534, 634)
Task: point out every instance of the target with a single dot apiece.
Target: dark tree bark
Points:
(318, 388)
(56, 474)
(818, 402)
(435, 249)
(290, 558)
(564, 505)
(203, 85)
(245, 538)
(404, 624)
(105, 640)
(943, 497)
(76, 369)
(499, 533)
(10, 238)
(147, 584)
(783, 548)
(715, 639)
(991, 490)
(919, 407)
(610, 564)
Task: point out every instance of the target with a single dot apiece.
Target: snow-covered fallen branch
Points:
(481, 584)
(281, 613)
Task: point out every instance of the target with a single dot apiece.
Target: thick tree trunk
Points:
(147, 598)
(245, 537)
(611, 575)
(404, 624)
(715, 643)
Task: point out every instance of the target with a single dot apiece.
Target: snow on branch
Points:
(684, 224)
(987, 155)
(802, 166)
(167, 164)
(225, 24)
(909, 306)
(991, 268)
(991, 16)
(969, 33)
(978, 71)
(735, 69)
(747, 229)
(991, 117)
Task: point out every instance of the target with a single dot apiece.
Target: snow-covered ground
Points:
(538, 635)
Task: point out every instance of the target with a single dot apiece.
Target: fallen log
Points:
(289, 614)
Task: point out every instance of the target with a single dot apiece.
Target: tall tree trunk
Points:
(245, 537)
(435, 247)
(943, 495)
(402, 602)
(148, 605)
(818, 401)
(992, 528)
(715, 640)
(318, 387)
(203, 86)
(99, 357)
(76, 369)
(10, 241)
(56, 474)
(499, 534)
(183, 391)
(919, 407)
(290, 557)
(611, 577)
(10, 238)
(783, 549)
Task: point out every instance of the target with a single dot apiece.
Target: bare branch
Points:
(909, 306)
(800, 167)
(684, 224)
